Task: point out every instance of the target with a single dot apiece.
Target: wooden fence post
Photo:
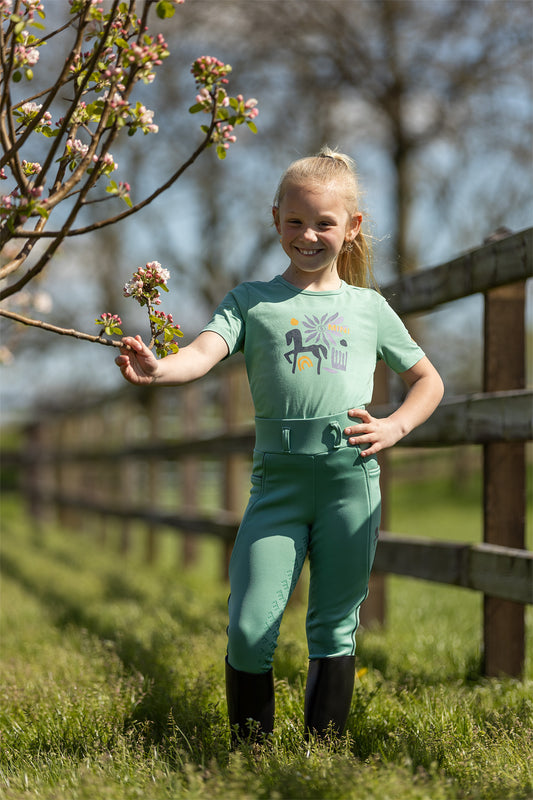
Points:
(31, 485)
(231, 463)
(374, 609)
(504, 506)
(154, 471)
(126, 422)
(68, 473)
(190, 471)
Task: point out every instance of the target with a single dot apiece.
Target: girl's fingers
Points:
(364, 416)
(360, 413)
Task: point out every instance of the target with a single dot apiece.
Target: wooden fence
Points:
(128, 457)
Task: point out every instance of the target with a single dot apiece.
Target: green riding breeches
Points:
(312, 493)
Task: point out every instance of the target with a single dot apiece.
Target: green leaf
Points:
(165, 9)
(252, 126)
(196, 108)
(17, 76)
(221, 152)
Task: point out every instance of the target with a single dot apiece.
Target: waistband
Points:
(303, 436)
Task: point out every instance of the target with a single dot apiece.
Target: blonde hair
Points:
(354, 262)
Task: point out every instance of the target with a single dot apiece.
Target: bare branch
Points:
(37, 323)
(22, 255)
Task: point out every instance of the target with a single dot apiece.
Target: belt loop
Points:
(336, 429)
(286, 439)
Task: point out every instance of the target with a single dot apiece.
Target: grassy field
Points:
(112, 681)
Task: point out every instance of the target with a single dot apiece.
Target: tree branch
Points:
(37, 323)
(133, 210)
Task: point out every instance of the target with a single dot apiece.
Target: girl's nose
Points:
(310, 235)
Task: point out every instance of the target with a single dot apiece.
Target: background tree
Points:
(433, 99)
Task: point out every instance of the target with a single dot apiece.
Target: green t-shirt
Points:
(310, 354)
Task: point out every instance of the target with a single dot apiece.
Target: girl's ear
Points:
(354, 226)
(275, 214)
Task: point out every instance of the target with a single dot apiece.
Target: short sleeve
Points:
(229, 319)
(395, 344)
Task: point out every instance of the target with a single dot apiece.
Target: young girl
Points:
(311, 338)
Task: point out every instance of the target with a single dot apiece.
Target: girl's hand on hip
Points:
(136, 361)
(371, 433)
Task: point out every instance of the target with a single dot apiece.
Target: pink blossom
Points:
(114, 318)
(32, 56)
(107, 162)
(25, 55)
(162, 274)
(30, 110)
(32, 6)
(203, 95)
(31, 167)
(76, 148)
(145, 117)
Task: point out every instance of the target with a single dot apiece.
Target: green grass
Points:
(112, 673)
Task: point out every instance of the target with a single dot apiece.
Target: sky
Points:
(73, 365)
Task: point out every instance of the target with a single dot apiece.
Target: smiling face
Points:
(314, 224)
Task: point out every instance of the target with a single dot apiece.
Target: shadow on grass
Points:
(376, 656)
(176, 712)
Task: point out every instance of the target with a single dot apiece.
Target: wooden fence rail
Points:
(477, 419)
(67, 456)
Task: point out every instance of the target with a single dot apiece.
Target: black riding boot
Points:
(328, 694)
(250, 704)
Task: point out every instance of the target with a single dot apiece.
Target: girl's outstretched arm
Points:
(424, 395)
(139, 365)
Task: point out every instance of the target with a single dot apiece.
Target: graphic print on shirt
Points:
(318, 341)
